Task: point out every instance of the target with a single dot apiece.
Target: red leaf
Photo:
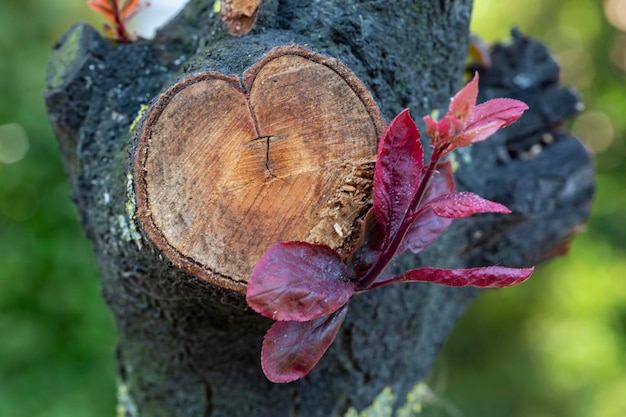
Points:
(291, 348)
(299, 281)
(397, 173)
(466, 123)
(464, 204)
(104, 7)
(464, 101)
(423, 231)
(503, 110)
(441, 183)
(118, 15)
(428, 226)
(129, 9)
(369, 247)
(487, 118)
(489, 277)
(438, 131)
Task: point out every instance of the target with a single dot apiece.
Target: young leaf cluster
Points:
(307, 287)
(118, 13)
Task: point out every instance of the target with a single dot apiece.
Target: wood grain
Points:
(224, 169)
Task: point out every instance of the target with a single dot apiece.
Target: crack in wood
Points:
(267, 151)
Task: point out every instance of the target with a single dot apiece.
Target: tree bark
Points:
(190, 347)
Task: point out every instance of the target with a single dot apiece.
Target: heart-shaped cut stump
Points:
(224, 169)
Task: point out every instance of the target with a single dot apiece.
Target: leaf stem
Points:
(120, 25)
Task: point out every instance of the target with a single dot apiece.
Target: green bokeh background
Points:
(554, 346)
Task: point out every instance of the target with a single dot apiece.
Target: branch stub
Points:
(224, 169)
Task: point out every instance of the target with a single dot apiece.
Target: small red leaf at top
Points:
(299, 281)
(118, 14)
(104, 7)
(503, 110)
(397, 173)
(428, 226)
(464, 204)
(488, 277)
(291, 348)
(464, 101)
(129, 8)
(487, 118)
(438, 131)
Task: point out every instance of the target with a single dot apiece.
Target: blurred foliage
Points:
(56, 348)
(555, 346)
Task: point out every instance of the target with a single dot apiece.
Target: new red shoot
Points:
(307, 287)
(117, 13)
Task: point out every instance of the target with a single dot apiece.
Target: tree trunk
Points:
(179, 209)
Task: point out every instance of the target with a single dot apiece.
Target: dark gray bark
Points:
(187, 348)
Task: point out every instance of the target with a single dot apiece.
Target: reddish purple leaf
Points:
(464, 101)
(299, 281)
(428, 226)
(464, 204)
(488, 277)
(441, 183)
(397, 173)
(503, 110)
(369, 247)
(487, 118)
(292, 348)
(423, 231)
